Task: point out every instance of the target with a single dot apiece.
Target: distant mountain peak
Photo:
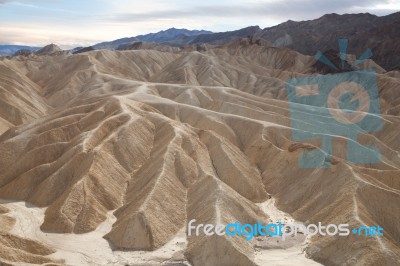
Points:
(49, 49)
(163, 36)
(170, 34)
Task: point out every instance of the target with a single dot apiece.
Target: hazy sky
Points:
(84, 22)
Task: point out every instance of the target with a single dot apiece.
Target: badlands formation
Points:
(106, 155)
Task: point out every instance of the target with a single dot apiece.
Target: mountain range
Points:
(364, 31)
(9, 49)
(171, 36)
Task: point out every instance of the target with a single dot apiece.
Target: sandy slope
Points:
(92, 249)
(158, 138)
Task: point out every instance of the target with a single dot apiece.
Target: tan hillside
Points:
(15, 249)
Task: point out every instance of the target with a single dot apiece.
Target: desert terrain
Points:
(106, 155)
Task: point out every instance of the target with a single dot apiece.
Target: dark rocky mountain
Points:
(181, 37)
(12, 49)
(172, 36)
(225, 37)
(80, 50)
(114, 44)
(381, 34)
(149, 46)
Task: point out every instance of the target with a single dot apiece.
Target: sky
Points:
(71, 23)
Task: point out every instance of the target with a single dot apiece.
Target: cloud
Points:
(28, 35)
(283, 10)
(5, 1)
